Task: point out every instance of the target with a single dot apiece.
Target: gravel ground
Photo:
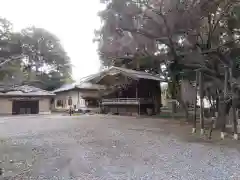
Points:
(108, 147)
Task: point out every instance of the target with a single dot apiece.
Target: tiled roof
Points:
(87, 85)
(65, 87)
(25, 90)
(88, 82)
(138, 74)
(80, 85)
(128, 72)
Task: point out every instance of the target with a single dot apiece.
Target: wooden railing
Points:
(126, 101)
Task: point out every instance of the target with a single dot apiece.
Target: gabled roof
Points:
(81, 85)
(25, 90)
(89, 81)
(137, 74)
(87, 85)
(127, 72)
(65, 87)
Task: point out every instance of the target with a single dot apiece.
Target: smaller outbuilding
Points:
(25, 100)
(81, 97)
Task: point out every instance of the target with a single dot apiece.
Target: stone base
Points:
(45, 113)
(223, 134)
(194, 130)
(235, 136)
(202, 131)
(135, 114)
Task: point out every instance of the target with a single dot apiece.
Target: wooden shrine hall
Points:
(129, 92)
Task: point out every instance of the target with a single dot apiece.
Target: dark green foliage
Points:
(45, 57)
(34, 56)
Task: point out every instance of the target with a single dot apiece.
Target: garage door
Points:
(25, 107)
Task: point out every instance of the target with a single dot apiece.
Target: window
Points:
(82, 102)
(70, 101)
(59, 103)
(92, 103)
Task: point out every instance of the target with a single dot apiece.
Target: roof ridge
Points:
(33, 88)
(135, 71)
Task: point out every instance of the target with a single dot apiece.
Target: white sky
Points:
(73, 21)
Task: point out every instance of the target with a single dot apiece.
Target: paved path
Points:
(107, 147)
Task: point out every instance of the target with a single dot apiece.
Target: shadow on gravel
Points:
(182, 131)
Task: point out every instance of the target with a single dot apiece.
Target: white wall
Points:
(5, 106)
(76, 99)
(44, 106)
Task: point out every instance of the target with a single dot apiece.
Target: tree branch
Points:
(209, 32)
(5, 61)
(171, 44)
(146, 34)
(226, 8)
(229, 42)
(214, 78)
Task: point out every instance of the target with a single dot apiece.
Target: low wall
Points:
(5, 106)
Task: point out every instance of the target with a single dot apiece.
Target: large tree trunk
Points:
(173, 91)
(184, 107)
(201, 102)
(186, 113)
(212, 113)
(174, 106)
(219, 112)
(176, 95)
(217, 104)
(187, 94)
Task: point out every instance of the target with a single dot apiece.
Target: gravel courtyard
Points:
(110, 147)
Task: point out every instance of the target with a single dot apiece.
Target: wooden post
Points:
(137, 68)
(136, 90)
(117, 100)
(137, 98)
(223, 129)
(78, 101)
(139, 108)
(195, 105)
(201, 102)
(234, 109)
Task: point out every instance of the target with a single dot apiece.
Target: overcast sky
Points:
(73, 21)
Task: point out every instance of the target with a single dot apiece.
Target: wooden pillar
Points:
(137, 89)
(138, 68)
(223, 129)
(201, 102)
(234, 106)
(195, 105)
(158, 98)
(78, 101)
(137, 98)
(118, 100)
